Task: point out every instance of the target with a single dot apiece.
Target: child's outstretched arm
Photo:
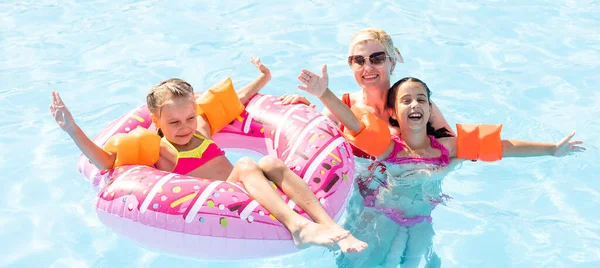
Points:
(367, 124)
(247, 92)
(516, 148)
(101, 159)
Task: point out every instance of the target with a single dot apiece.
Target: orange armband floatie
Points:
(138, 147)
(220, 104)
(481, 142)
(374, 139)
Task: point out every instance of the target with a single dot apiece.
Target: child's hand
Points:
(61, 114)
(293, 99)
(567, 146)
(314, 84)
(263, 69)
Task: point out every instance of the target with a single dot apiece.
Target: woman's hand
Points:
(566, 146)
(294, 99)
(61, 114)
(314, 84)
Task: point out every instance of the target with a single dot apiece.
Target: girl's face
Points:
(177, 120)
(371, 67)
(412, 107)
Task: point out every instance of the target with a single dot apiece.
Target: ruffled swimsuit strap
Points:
(442, 160)
(398, 147)
(445, 157)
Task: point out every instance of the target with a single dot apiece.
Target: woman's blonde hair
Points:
(380, 36)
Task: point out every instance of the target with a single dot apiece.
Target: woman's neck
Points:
(415, 140)
(376, 99)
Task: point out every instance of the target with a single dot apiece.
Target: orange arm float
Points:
(138, 147)
(374, 138)
(481, 142)
(220, 104)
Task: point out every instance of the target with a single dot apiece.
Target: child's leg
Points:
(420, 240)
(376, 229)
(303, 230)
(294, 187)
(397, 248)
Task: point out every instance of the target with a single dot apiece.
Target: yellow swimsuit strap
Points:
(193, 153)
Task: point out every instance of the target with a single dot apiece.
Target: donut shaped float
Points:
(207, 219)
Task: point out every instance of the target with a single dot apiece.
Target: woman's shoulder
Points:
(355, 96)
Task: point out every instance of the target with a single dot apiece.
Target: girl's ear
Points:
(392, 120)
(430, 112)
(154, 119)
(392, 113)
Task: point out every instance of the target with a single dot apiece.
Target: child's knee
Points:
(246, 165)
(271, 163)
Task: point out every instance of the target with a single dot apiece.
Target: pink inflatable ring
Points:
(207, 219)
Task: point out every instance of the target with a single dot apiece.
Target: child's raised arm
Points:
(247, 92)
(364, 133)
(101, 159)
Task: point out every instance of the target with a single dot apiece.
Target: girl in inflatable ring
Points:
(186, 129)
(401, 188)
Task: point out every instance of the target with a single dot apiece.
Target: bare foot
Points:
(351, 244)
(309, 233)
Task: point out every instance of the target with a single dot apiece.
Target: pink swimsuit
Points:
(188, 161)
(370, 195)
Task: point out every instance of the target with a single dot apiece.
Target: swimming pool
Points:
(532, 66)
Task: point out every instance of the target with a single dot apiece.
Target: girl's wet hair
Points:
(165, 91)
(391, 104)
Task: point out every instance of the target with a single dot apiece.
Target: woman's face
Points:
(376, 67)
(177, 120)
(412, 106)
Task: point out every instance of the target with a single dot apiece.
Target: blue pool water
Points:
(533, 66)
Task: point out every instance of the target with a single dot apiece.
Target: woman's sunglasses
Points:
(377, 59)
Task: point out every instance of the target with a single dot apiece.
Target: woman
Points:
(372, 57)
